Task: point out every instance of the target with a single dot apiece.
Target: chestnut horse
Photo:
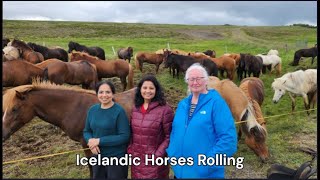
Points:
(26, 51)
(19, 72)
(253, 88)
(234, 56)
(46, 63)
(225, 63)
(93, 51)
(151, 58)
(125, 53)
(107, 69)
(74, 73)
(62, 106)
(242, 110)
(49, 53)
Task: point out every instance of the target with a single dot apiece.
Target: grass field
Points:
(285, 133)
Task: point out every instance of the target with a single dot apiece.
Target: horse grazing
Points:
(311, 52)
(242, 111)
(249, 64)
(210, 53)
(11, 53)
(19, 72)
(225, 63)
(273, 60)
(125, 53)
(151, 58)
(253, 88)
(5, 41)
(74, 73)
(182, 63)
(62, 106)
(93, 51)
(26, 51)
(49, 53)
(107, 69)
(298, 83)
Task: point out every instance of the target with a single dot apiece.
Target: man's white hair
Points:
(199, 67)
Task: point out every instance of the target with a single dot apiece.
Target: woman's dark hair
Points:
(159, 96)
(105, 82)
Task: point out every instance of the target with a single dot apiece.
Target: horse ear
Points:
(20, 95)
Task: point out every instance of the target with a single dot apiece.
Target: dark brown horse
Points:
(311, 52)
(125, 53)
(151, 58)
(19, 72)
(49, 53)
(211, 53)
(74, 73)
(107, 69)
(27, 52)
(93, 51)
(65, 107)
(253, 88)
(249, 64)
(243, 111)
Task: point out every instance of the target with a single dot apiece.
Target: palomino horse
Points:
(74, 73)
(253, 88)
(11, 53)
(273, 60)
(298, 83)
(93, 51)
(242, 111)
(225, 63)
(65, 107)
(49, 53)
(107, 69)
(151, 58)
(27, 52)
(311, 52)
(19, 72)
(125, 53)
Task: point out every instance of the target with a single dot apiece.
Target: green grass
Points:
(285, 133)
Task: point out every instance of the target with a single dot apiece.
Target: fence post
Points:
(114, 52)
(226, 49)
(168, 45)
(286, 46)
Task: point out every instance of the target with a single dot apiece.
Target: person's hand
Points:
(93, 142)
(95, 150)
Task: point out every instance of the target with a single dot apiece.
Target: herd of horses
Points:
(37, 74)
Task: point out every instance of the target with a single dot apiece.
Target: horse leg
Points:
(312, 60)
(306, 103)
(157, 68)
(293, 102)
(123, 82)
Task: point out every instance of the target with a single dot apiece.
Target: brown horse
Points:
(254, 90)
(74, 73)
(198, 56)
(107, 69)
(151, 58)
(234, 56)
(65, 107)
(46, 63)
(242, 110)
(19, 72)
(125, 53)
(27, 52)
(225, 63)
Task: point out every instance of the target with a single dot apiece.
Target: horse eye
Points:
(280, 89)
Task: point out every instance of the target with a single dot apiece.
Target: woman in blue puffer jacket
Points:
(203, 125)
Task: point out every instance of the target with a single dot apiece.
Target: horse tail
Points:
(130, 77)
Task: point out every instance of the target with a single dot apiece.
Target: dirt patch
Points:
(202, 34)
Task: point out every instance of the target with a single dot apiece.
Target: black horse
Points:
(181, 63)
(125, 53)
(5, 41)
(93, 51)
(311, 52)
(48, 53)
(249, 64)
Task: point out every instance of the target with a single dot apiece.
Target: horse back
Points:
(254, 87)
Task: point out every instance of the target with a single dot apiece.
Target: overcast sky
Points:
(259, 13)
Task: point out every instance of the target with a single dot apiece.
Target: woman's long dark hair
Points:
(159, 96)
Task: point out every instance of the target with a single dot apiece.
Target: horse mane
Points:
(22, 44)
(10, 94)
(39, 47)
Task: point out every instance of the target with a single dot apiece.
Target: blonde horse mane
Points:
(10, 94)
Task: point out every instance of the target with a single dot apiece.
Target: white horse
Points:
(273, 52)
(298, 83)
(273, 60)
(11, 52)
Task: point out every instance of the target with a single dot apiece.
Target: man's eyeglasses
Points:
(195, 79)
